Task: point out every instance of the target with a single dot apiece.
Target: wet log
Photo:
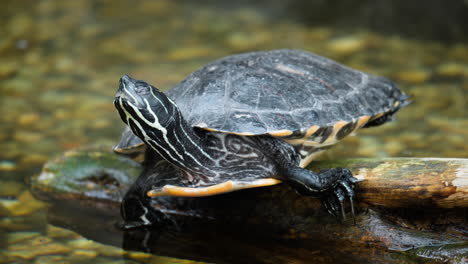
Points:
(410, 210)
(387, 182)
(408, 182)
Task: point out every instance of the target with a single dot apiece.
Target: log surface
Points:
(408, 182)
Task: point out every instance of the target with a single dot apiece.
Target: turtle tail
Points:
(403, 100)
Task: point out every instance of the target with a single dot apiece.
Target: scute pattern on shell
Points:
(263, 92)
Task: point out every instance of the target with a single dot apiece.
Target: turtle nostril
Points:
(125, 77)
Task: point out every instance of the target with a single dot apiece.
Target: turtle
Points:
(248, 120)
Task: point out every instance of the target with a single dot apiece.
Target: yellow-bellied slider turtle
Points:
(249, 120)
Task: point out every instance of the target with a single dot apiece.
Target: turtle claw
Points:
(355, 180)
(334, 198)
(327, 206)
(343, 215)
(351, 204)
(340, 196)
(332, 186)
(330, 206)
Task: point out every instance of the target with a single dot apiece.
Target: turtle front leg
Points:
(136, 211)
(332, 186)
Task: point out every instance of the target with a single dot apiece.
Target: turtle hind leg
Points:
(331, 186)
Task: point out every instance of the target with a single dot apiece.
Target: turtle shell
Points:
(129, 143)
(284, 93)
(280, 92)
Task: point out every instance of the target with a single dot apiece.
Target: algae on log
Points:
(90, 176)
(410, 210)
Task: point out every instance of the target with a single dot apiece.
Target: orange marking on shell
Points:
(228, 186)
(377, 116)
(209, 129)
(298, 141)
(337, 127)
(311, 131)
(240, 133)
(281, 133)
(362, 121)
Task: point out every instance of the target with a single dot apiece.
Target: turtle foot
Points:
(332, 186)
(341, 189)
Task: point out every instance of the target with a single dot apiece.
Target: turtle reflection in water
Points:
(248, 120)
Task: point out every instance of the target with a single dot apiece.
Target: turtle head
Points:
(158, 122)
(140, 104)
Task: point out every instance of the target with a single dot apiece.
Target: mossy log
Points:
(410, 210)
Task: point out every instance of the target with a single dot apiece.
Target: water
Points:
(60, 62)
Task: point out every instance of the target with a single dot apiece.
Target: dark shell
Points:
(129, 144)
(269, 91)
